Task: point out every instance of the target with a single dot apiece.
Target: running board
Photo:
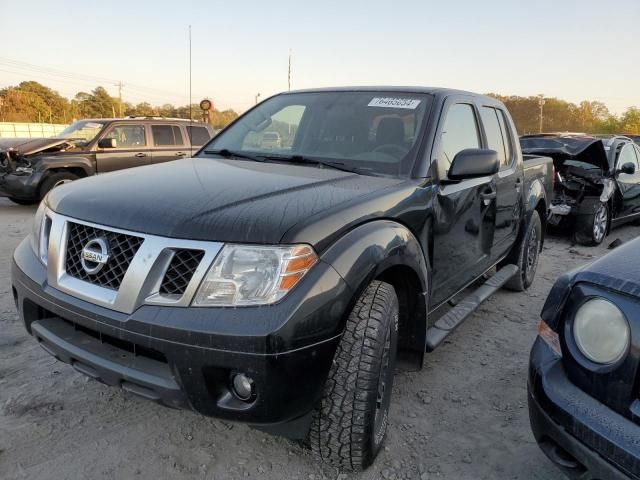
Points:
(451, 320)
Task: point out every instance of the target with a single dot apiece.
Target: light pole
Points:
(257, 96)
(541, 105)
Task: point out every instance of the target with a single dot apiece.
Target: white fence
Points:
(29, 130)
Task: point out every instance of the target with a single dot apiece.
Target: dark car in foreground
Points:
(277, 284)
(31, 167)
(597, 181)
(584, 374)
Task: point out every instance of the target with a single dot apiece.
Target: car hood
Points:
(212, 199)
(30, 146)
(584, 149)
(616, 270)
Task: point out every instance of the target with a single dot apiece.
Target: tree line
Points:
(31, 101)
(562, 116)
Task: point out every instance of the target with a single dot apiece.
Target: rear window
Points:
(166, 135)
(494, 134)
(198, 135)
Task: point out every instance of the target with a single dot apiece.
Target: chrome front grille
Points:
(122, 249)
(140, 269)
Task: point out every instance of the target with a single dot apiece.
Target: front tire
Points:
(592, 229)
(55, 180)
(349, 426)
(528, 252)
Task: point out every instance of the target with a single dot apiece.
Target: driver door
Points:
(464, 211)
(131, 148)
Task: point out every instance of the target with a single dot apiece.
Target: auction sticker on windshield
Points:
(390, 102)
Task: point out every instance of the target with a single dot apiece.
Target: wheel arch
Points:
(388, 251)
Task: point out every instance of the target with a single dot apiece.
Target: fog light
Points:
(242, 386)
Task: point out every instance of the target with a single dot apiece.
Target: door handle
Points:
(181, 154)
(488, 195)
(140, 155)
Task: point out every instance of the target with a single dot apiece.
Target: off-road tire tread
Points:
(340, 431)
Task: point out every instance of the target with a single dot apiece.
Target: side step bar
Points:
(451, 320)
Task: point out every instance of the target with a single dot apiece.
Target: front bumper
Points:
(185, 357)
(20, 186)
(583, 437)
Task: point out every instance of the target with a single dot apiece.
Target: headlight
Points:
(254, 274)
(601, 331)
(40, 233)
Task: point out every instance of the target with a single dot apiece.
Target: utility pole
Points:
(541, 105)
(289, 72)
(257, 97)
(120, 85)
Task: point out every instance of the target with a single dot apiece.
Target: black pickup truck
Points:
(31, 167)
(277, 285)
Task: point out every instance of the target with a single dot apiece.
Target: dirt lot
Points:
(464, 416)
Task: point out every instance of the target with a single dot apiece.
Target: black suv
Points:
(276, 283)
(29, 168)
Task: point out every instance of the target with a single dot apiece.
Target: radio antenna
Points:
(190, 101)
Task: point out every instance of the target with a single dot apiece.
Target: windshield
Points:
(372, 133)
(83, 130)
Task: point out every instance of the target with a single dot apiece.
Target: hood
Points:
(583, 149)
(616, 271)
(212, 199)
(29, 146)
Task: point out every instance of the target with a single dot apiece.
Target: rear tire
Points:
(528, 253)
(592, 229)
(349, 426)
(55, 180)
(24, 201)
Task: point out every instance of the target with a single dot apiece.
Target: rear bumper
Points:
(583, 437)
(150, 354)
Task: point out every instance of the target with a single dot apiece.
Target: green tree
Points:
(630, 121)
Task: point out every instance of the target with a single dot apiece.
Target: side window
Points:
(492, 129)
(506, 136)
(166, 135)
(128, 136)
(199, 135)
(628, 155)
(459, 131)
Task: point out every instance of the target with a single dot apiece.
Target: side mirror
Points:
(473, 163)
(107, 143)
(629, 168)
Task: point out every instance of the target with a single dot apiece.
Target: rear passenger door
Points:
(168, 143)
(464, 219)
(509, 180)
(131, 148)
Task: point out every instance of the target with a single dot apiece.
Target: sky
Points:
(570, 49)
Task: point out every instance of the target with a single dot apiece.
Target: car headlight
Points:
(40, 233)
(254, 274)
(601, 331)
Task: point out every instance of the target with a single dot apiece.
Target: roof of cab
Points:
(438, 91)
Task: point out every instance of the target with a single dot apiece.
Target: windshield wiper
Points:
(313, 161)
(226, 153)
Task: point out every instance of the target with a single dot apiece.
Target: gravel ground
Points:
(464, 416)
